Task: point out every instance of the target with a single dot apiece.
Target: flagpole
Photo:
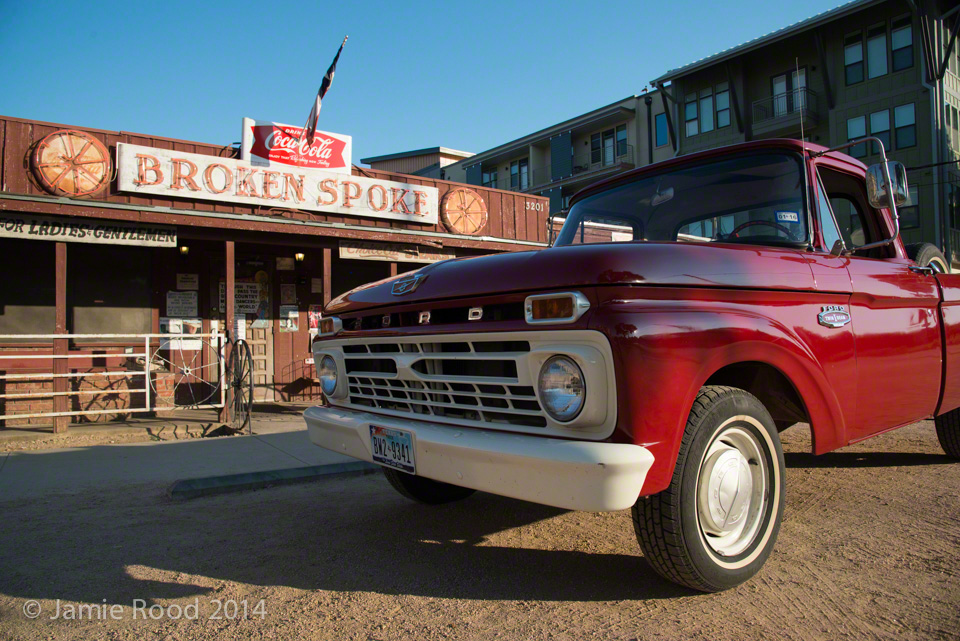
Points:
(310, 128)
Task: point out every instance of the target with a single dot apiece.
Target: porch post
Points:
(327, 276)
(393, 269)
(229, 295)
(61, 345)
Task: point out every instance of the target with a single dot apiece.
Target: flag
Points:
(310, 129)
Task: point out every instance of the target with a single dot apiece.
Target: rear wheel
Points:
(716, 524)
(423, 490)
(948, 431)
(925, 254)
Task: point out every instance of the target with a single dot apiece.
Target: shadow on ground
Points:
(805, 460)
(343, 535)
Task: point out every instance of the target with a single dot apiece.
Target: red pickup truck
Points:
(687, 313)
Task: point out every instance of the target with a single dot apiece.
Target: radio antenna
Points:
(799, 100)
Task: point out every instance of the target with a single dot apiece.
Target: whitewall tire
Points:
(715, 525)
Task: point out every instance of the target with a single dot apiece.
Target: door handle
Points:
(926, 269)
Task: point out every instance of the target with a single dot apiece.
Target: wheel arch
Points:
(790, 385)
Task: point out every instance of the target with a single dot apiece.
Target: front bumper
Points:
(576, 475)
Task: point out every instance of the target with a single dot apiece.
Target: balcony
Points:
(586, 167)
(780, 115)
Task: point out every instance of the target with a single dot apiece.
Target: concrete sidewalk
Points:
(32, 474)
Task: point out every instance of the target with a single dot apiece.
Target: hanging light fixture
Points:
(299, 257)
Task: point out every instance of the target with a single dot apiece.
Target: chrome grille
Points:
(470, 382)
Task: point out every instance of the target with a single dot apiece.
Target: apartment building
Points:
(429, 163)
(559, 160)
(885, 68)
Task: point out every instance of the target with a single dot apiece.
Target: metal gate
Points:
(172, 372)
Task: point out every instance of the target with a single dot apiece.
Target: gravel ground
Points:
(868, 550)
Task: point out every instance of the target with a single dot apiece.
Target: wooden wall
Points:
(509, 214)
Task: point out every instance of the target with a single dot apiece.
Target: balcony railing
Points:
(782, 105)
(587, 163)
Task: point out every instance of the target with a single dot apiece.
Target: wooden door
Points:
(259, 331)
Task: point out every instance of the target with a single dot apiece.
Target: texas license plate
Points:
(393, 448)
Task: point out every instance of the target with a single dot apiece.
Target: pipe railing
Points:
(11, 351)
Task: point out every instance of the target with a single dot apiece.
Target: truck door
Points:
(950, 317)
(895, 318)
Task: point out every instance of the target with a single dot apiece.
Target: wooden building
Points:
(106, 232)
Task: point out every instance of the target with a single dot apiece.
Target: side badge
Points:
(833, 316)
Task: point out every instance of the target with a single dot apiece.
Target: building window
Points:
(663, 135)
(955, 128)
(29, 303)
(607, 146)
(909, 214)
(519, 175)
(880, 127)
(690, 115)
(901, 41)
(489, 179)
(102, 299)
(904, 119)
(723, 106)
(853, 59)
(621, 141)
(857, 128)
(788, 92)
(706, 111)
(877, 52)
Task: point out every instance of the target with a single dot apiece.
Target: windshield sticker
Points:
(788, 217)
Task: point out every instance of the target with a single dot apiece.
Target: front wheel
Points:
(424, 490)
(715, 525)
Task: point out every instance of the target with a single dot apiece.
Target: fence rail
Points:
(180, 364)
(792, 101)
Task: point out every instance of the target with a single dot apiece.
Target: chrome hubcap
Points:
(731, 491)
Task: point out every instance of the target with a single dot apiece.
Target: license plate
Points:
(393, 448)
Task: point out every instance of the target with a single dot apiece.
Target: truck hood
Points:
(649, 263)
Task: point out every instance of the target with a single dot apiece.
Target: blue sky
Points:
(468, 75)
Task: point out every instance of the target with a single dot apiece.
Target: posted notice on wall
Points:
(314, 314)
(184, 326)
(246, 298)
(288, 294)
(182, 304)
(289, 318)
(188, 281)
(239, 327)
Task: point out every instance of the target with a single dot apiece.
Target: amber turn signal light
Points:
(565, 307)
(329, 326)
(552, 308)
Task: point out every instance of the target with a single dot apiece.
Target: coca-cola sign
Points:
(272, 142)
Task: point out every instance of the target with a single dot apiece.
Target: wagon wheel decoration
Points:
(240, 382)
(71, 163)
(463, 211)
(188, 374)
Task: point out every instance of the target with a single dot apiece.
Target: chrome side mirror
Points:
(886, 187)
(877, 192)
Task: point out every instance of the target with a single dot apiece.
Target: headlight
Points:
(562, 388)
(327, 372)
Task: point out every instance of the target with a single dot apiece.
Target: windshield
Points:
(756, 198)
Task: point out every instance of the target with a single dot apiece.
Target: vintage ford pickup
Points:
(687, 313)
